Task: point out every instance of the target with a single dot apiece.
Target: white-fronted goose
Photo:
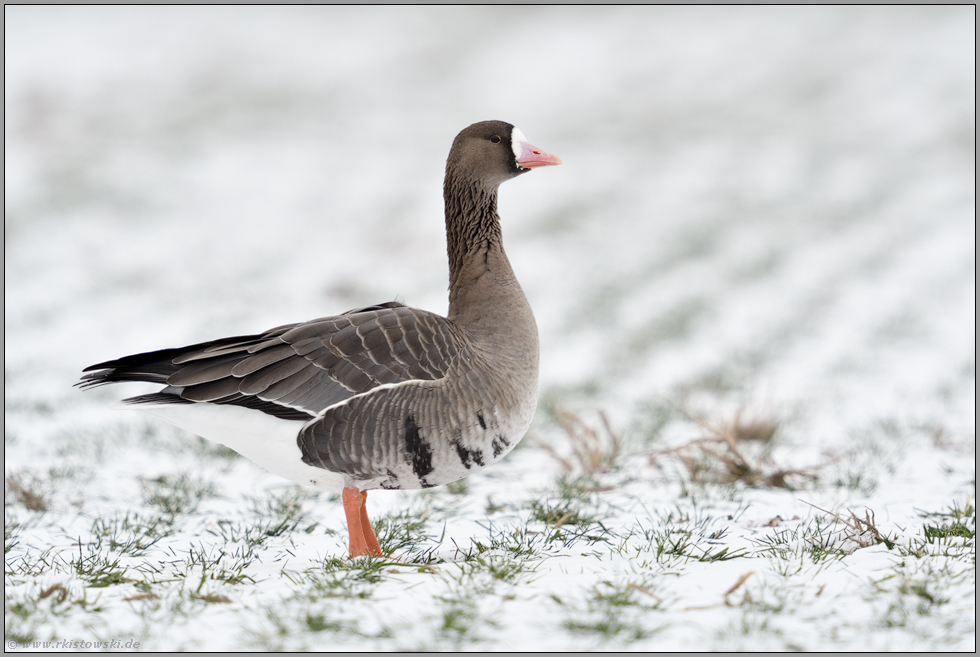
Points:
(380, 397)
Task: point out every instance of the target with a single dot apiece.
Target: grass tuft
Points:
(279, 513)
(176, 495)
(131, 533)
(460, 618)
(405, 531)
(949, 533)
(617, 609)
(813, 542)
(100, 571)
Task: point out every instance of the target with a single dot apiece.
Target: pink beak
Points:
(532, 156)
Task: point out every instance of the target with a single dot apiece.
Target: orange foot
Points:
(363, 542)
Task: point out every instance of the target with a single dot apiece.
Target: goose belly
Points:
(477, 447)
(267, 441)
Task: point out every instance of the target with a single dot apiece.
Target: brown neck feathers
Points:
(472, 223)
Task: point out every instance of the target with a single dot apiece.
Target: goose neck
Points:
(472, 228)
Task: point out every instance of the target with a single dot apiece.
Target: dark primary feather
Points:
(295, 371)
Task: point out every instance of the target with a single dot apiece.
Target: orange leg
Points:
(369, 537)
(363, 542)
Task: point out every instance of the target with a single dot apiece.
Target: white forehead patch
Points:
(517, 138)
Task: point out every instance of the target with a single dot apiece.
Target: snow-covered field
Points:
(758, 263)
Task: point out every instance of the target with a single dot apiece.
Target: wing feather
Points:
(273, 354)
(299, 369)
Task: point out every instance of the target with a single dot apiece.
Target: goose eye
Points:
(495, 139)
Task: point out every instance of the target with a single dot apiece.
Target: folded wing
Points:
(296, 371)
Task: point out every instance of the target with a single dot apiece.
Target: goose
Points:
(380, 397)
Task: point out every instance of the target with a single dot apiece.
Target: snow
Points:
(766, 209)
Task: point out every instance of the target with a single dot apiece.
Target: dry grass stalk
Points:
(214, 598)
(27, 495)
(862, 532)
(738, 429)
(562, 520)
(594, 450)
(717, 455)
(644, 591)
(736, 585)
(141, 596)
(57, 590)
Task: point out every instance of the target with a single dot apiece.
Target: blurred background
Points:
(774, 206)
(758, 260)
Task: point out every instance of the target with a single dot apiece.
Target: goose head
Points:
(491, 152)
